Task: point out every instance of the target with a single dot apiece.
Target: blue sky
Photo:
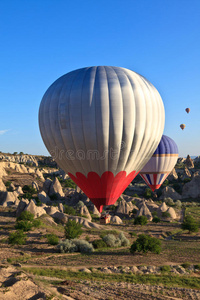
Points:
(42, 40)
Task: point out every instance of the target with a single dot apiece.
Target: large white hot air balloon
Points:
(102, 125)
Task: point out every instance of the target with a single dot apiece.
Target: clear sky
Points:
(44, 39)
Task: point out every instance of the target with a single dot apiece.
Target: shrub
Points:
(83, 246)
(24, 225)
(169, 201)
(69, 210)
(99, 244)
(75, 246)
(189, 223)
(140, 220)
(165, 269)
(67, 246)
(165, 183)
(135, 195)
(52, 239)
(26, 216)
(145, 243)
(187, 180)
(72, 229)
(178, 203)
(111, 240)
(148, 193)
(69, 183)
(36, 223)
(154, 213)
(186, 265)
(123, 239)
(8, 183)
(29, 189)
(80, 204)
(156, 219)
(165, 215)
(134, 212)
(17, 238)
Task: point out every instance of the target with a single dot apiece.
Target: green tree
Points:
(17, 238)
(146, 243)
(189, 223)
(73, 230)
(148, 193)
(26, 216)
(141, 220)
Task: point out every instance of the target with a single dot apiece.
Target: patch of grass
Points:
(166, 280)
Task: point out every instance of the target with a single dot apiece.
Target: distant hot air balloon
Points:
(187, 110)
(182, 126)
(102, 125)
(161, 163)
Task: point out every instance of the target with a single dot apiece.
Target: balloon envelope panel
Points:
(161, 163)
(102, 120)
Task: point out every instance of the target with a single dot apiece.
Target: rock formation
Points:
(144, 211)
(189, 163)
(192, 188)
(170, 192)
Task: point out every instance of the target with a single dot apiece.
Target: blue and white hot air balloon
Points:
(102, 125)
(161, 163)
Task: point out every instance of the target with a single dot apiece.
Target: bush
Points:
(69, 210)
(148, 193)
(169, 201)
(187, 180)
(75, 246)
(165, 215)
(165, 183)
(29, 189)
(80, 204)
(69, 183)
(156, 219)
(141, 220)
(189, 223)
(67, 246)
(165, 269)
(123, 239)
(145, 243)
(36, 223)
(178, 203)
(83, 246)
(97, 244)
(8, 183)
(26, 216)
(72, 229)
(135, 195)
(24, 225)
(17, 238)
(133, 212)
(113, 241)
(52, 239)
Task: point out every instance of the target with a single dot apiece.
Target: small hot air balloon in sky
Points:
(101, 125)
(161, 163)
(187, 110)
(182, 126)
